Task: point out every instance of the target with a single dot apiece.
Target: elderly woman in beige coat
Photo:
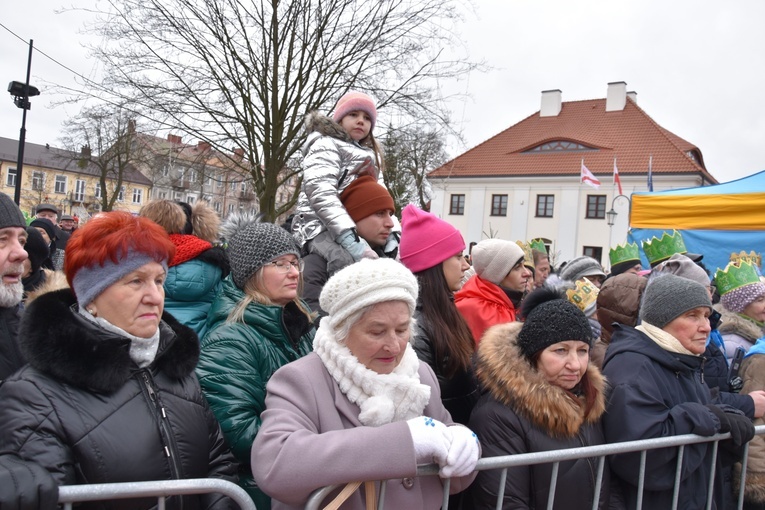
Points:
(361, 406)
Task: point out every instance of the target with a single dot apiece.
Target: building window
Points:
(595, 252)
(190, 199)
(10, 178)
(560, 146)
(216, 206)
(165, 170)
(162, 195)
(596, 207)
(137, 195)
(457, 205)
(499, 205)
(219, 184)
(97, 190)
(38, 180)
(192, 176)
(233, 185)
(244, 186)
(545, 204)
(177, 196)
(230, 208)
(121, 195)
(60, 185)
(79, 190)
(209, 181)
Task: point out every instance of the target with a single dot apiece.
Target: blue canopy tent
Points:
(714, 220)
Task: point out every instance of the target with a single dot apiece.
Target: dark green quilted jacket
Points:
(236, 362)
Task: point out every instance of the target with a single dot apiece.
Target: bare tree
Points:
(410, 153)
(243, 73)
(101, 138)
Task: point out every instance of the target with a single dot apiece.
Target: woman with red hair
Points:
(109, 394)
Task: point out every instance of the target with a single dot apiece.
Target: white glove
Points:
(464, 452)
(431, 440)
(355, 245)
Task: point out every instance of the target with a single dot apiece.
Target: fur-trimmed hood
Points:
(734, 323)
(56, 340)
(323, 126)
(511, 380)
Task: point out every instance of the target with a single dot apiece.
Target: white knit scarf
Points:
(383, 398)
(663, 339)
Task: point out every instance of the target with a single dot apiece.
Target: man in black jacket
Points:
(13, 237)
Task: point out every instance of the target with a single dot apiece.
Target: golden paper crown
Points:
(584, 295)
(528, 257)
(752, 257)
(735, 276)
(661, 249)
(623, 253)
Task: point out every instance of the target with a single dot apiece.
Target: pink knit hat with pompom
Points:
(426, 240)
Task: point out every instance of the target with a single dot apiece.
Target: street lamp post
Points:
(611, 214)
(21, 93)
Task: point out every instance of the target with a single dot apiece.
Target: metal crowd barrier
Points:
(68, 494)
(557, 456)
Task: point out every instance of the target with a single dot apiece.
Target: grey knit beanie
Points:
(680, 265)
(550, 318)
(494, 258)
(10, 214)
(581, 267)
(252, 244)
(667, 297)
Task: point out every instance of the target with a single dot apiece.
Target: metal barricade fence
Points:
(68, 494)
(557, 456)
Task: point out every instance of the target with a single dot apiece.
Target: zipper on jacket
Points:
(168, 443)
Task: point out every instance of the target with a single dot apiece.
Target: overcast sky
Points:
(696, 65)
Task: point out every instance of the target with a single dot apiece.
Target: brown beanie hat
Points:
(365, 196)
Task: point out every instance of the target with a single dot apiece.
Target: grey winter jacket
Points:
(331, 161)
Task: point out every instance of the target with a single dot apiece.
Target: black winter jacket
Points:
(88, 414)
(657, 393)
(10, 353)
(522, 413)
(458, 393)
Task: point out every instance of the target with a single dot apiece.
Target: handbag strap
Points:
(350, 488)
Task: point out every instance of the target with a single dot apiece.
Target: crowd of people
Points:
(346, 348)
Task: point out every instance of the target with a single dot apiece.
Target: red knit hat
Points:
(353, 101)
(426, 240)
(365, 196)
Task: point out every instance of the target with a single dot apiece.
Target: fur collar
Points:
(59, 342)
(315, 122)
(509, 378)
(734, 323)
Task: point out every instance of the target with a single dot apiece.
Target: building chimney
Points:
(551, 103)
(174, 138)
(616, 99)
(632, 95)
(238, 153)
(131, 126)
(203, 146)
(85, 152)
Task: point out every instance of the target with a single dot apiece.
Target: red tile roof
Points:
(629, 135)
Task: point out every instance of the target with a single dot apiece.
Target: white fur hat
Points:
(365, 283)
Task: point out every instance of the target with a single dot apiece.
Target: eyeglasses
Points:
(283, 266)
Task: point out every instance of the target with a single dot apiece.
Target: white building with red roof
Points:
(524, 183)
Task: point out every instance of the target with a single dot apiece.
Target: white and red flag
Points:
(617, 181)
(587, 177)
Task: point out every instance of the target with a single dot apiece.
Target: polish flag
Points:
(617, 181)
(587, 177)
